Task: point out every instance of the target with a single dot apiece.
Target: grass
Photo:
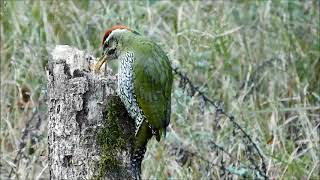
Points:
(261, 58)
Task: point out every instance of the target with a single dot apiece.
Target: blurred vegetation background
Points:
(261, 58)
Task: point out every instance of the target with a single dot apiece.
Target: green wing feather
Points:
(153, 82)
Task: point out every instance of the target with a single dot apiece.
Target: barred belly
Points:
(126, 89)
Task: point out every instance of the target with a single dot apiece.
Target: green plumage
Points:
(144, 85)
(152, 83)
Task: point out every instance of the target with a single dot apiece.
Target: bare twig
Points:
(194, 90)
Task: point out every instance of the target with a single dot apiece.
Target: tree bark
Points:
(88, 126)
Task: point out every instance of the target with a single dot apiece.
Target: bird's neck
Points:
(126, 62)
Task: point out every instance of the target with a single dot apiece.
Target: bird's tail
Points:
(136, 160)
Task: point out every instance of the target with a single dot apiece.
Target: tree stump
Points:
(89, 131)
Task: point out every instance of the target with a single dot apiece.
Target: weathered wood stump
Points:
(89, 131)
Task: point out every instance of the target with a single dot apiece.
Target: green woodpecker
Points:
(144, 84)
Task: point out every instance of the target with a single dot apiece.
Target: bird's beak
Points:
(100, 62)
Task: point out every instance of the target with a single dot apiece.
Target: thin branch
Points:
(194, 90)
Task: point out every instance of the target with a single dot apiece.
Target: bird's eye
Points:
(111, 51)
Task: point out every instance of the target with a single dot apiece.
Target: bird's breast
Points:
(126, 89)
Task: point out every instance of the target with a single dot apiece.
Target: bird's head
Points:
(112, 43)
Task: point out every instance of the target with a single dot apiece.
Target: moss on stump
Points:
(115, 138)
